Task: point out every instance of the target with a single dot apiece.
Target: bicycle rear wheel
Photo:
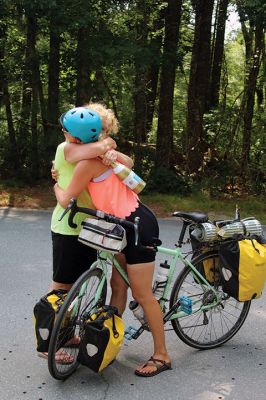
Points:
(214, 327)
(62, 354)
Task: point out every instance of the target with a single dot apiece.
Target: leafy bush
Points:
(163, 180)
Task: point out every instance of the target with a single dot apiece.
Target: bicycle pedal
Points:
(186, 304)
(129, 332)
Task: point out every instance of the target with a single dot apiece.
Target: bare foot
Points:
(61, 357)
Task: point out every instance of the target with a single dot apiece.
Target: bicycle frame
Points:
(198, 309)
(176, 255)
(101, 262)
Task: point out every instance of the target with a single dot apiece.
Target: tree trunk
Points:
(24, 124)
(140, 102)
(83, 88)
(34, 129)
(2, 55)
(141, 68)
(42, 102)
(5, 100)
(198, 84)
(250, 90)
(13, 148)
(164, 142)
(218, 54)
(52, 130)
(153, 72)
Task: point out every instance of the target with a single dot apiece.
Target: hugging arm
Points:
(81, 176)
(124, 159)
(114, 155)
(76, 152)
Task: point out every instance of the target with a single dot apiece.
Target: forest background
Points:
(189, 95)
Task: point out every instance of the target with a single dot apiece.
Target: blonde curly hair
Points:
(109, 120)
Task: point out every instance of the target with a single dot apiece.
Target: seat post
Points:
(182, 233)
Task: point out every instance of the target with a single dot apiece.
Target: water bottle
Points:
(161, 280)
(137, 311)
(128, 177)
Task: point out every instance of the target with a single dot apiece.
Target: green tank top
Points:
(65, 170)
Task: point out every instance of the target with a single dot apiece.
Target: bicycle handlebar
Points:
(74, 208)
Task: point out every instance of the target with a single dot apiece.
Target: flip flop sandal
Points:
(42, 355)
(61, 357)
(164, 367)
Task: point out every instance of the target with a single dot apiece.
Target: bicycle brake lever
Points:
(70, 205)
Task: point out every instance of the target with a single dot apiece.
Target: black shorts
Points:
(70, 258)
(149, 229)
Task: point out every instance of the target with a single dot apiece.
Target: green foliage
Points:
(163, 180)
(114, 47)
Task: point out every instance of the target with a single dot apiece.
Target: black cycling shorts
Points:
(149, 229)
(70, 258)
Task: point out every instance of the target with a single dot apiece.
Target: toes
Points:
(146, 368)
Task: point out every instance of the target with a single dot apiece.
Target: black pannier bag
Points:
(243, 268)
(45, 312)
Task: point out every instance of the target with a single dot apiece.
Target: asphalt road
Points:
(234, 371)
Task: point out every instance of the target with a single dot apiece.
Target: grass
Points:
(42, 197)
(216, 208)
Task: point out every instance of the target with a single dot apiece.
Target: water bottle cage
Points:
(159, 285)
(163, 299)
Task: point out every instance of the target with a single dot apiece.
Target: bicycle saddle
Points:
(193, 216)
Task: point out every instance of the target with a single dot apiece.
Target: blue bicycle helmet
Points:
(82, 123)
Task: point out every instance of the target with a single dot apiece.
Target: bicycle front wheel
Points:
(206, 329)
(64, 343)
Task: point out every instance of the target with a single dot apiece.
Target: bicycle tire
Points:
(192, 329)
(66, 328)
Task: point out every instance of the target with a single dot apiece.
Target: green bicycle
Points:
(201, 314)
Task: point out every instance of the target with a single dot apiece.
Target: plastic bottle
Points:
(128, 177)
(161, 280)
(137, 311)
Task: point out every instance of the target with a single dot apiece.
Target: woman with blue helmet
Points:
(112, 196)
(71, 258)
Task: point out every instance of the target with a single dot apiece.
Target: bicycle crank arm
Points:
(133, 333)
(172, 311)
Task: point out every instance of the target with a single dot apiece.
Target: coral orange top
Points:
(111, 195)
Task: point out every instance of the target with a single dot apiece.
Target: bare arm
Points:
(76, 152)
(113, 155)
(82, 174)
(124, 159)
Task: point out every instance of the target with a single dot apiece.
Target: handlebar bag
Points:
(243, 268)
(101, 339)
(45, 313)
(102, 235)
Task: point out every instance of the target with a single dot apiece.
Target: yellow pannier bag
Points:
(101, 339)
(243, 268)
